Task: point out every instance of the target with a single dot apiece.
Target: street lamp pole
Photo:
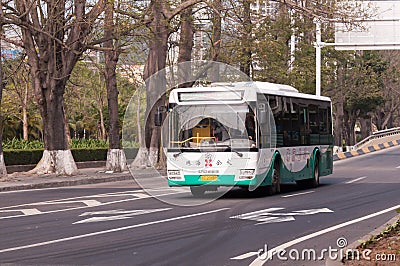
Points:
(318, 46)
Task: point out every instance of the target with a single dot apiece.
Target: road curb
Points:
(349, 154)
(355, 244)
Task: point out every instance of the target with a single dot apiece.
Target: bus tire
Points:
(197, 191)
(310, 182)
(275, 186)
(315, 180)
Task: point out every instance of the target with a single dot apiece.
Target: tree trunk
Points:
(245, 65)
(350, 129)
(161, 14)
(155, 88)
(346, 128)
(365, 123)
(3, 170)
(338, 127)
(185, 46)
(216, 40)
(116, 160)
(57, 157)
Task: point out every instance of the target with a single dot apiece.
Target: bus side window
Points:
(323, 126)
(286, 123)
(304, 130)
(313, 123)
(295, 123)
(276, 107)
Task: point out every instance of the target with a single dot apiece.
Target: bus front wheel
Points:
(197, 191)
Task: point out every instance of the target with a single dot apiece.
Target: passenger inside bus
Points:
(219, 131)
(250, 126)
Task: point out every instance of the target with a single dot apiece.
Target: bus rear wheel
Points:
(311, 182)
(197, 191)
(275, 186)
(315, 181)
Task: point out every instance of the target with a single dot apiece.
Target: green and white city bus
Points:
(255, 135)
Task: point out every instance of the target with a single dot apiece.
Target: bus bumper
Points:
(220, 180)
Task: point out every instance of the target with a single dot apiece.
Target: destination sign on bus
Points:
(210, 96)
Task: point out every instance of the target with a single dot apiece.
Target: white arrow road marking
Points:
(88, 203)
(269, 216)
(273, 251)
(24, 211)
(355, 180)
(398, 167)
(60, 240)
(116, 215)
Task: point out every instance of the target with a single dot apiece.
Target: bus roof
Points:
(246, 90)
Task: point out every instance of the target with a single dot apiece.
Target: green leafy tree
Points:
(54, 35)
(387, 115)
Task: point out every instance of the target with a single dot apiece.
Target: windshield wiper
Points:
(229, 147)
(177, 154)
(238, 153)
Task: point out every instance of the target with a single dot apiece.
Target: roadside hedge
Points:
(33, 156)
(22, 157)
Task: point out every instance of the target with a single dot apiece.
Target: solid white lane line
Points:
(355, 180)
(398, 167)
(273, 251)
(298, 194)
(110, 231)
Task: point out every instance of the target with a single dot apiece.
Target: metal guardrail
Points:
(378, 135)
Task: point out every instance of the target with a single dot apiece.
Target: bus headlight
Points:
(246, 173)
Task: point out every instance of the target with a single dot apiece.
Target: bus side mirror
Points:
(158, 118)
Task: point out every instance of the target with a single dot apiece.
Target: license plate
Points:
(209, 178)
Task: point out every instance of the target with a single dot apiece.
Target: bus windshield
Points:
(219, 127)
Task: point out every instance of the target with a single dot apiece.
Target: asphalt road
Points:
(120, 224)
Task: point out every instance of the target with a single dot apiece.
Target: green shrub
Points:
(22, 157)
(85, 155)
(20, 144)
(88, 143)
